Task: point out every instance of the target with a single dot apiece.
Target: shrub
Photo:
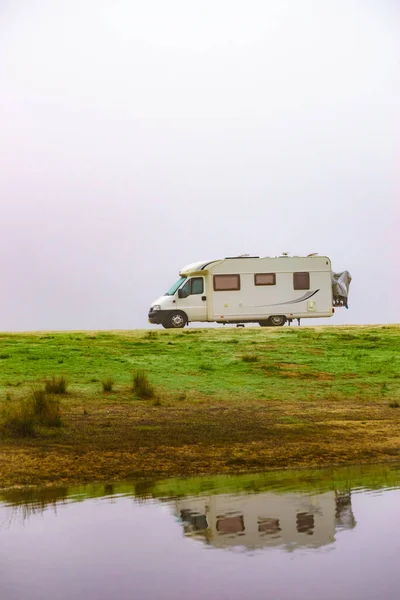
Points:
(107, 384)
(249, 358)
(46, 409)
(56, 385)
(142, 386)
(19, 419)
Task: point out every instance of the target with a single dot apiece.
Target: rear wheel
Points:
(176, 320)
(277, 320)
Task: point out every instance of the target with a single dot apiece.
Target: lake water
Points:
(301, 535)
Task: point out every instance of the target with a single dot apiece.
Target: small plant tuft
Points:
(108, 384)
(249, 358)
(151, 335)
(56, 385)
(394, 404)
(206, 367)
(142, 386)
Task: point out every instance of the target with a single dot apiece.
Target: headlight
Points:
(156, 307)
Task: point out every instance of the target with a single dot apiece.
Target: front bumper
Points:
(158, 317)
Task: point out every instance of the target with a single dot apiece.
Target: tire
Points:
(277, 320)
(176, 320)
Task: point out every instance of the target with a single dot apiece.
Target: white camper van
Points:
(250, 289)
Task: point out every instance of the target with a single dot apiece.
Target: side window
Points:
(301, 281)
(192, 286)
(224, 283)
(197, 285)
(184, 292)
(265, 279)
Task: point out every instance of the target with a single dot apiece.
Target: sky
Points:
(138, 137)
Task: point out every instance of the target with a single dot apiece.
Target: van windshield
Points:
(176, 285)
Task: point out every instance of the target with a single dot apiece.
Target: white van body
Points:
(270, 291)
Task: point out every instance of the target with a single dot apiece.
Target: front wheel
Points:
(175, 320)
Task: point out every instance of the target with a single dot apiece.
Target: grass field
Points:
(221, 400)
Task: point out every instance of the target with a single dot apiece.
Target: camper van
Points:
(270, 291)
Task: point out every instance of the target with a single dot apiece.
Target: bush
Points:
(56, 385)
(107, 384)
(19, 419)
(142, 386)
(46, 410)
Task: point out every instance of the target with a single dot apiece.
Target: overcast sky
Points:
(137, 137)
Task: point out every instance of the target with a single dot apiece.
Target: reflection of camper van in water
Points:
(266, 519)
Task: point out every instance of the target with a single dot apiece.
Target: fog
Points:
(137, 137)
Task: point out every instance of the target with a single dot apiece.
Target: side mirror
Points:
(180, 295)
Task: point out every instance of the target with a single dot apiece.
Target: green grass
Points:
(222, 400)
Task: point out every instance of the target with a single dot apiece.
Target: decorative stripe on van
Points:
(295, 301)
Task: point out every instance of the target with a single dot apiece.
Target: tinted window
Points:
(184, 292)
(226, 282)
(197, 285)
(301, 281)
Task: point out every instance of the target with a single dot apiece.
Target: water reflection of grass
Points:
(308, 397)
(31, 501)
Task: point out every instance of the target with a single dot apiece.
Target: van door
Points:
(192, 299)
